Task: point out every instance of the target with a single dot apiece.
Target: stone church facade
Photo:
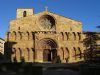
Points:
(44, 37)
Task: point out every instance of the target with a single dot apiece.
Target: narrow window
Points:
(24, 14)
(18, 28)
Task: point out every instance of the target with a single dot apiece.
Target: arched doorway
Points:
(48, 46)
(46, 55)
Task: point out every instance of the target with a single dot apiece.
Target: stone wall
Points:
(26, 33)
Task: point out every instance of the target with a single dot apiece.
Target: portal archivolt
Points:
(49, 48)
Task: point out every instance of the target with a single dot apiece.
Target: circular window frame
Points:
(50, 17)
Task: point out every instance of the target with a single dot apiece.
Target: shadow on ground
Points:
(49, 69)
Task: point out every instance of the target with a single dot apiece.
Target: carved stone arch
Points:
(79, 53)
(20, 35)
(21, 54)
(28, 54)
(33, 51)
(62, 36)
(79, 35)
(62, 52)
(74, 35)
(66, 54)
(74, 53)
(48, 47)
(14, 55)
(15, 35)
(18, 54)
(67, 51)
(47, 41)
(67, 35)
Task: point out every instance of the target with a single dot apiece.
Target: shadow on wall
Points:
(1, 58)
(8, 51)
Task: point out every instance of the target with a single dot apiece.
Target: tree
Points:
(92, 50)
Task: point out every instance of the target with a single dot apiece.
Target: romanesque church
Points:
(44, 37)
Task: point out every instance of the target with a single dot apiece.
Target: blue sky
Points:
(86, 11)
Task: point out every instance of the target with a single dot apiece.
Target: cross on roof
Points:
(46, 8)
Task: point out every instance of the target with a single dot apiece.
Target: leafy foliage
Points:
(90, 42)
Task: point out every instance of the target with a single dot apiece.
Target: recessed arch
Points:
(51, 43)
(66, 54)
(74, 53)
(74, 35)
(49, 48)
(15, 35)
(79, 35)
(67, 35)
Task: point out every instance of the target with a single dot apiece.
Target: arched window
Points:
(24, 14)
